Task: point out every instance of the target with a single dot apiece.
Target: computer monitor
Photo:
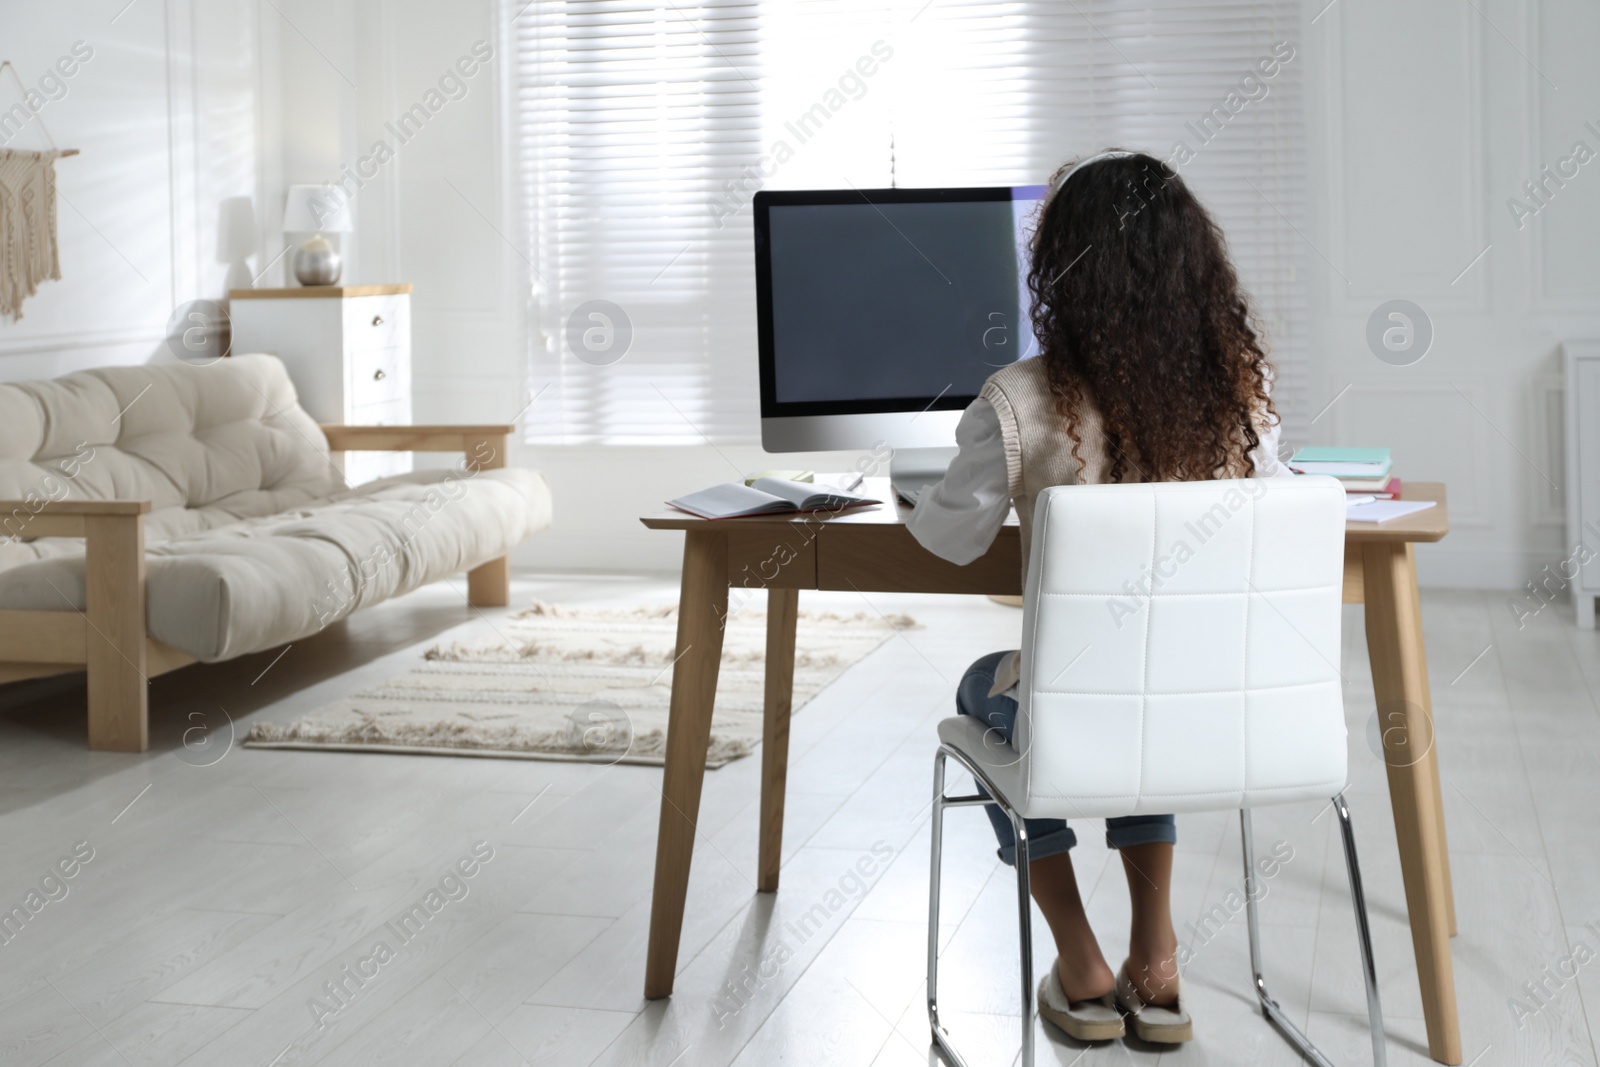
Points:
(882, 311)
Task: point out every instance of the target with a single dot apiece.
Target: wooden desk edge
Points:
(1424, 528)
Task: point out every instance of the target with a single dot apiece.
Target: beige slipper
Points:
(1085, 1020)
(1167, 1025)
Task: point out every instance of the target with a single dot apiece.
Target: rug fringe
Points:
(541, 609)
(636, 656)
(647, 746)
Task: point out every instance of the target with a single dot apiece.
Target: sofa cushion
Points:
(253, 584)
(207, 445)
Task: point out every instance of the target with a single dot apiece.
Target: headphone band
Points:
(1062, 177)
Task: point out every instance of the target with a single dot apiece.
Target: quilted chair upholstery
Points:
(253, 537)
(1180, 651)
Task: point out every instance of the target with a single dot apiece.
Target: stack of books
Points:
(1362, 470)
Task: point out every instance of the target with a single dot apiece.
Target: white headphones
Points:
(1062, 176)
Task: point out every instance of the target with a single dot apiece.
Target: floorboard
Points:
(231, 886)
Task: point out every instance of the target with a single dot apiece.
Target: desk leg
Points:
(783, 608)
(702, 606)
(1433, 749)
(1400, 681)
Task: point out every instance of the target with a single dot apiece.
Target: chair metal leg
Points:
(1025, 931)
(1270, 1007)
(1358, 899)
(941, 1036)
(936, 852)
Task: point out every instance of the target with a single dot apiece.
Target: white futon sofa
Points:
(152, 516)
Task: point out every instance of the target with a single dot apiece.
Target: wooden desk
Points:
(871, 551)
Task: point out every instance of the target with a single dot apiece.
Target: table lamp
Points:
(317, 209)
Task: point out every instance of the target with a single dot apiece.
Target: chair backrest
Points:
(1181, 647)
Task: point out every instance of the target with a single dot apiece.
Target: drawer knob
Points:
(377, 320)
(378, 375)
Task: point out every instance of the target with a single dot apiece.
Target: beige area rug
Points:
(574, 684)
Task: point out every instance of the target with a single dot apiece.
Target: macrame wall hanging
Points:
(28, 250)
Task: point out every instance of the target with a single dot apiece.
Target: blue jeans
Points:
(1046, 837)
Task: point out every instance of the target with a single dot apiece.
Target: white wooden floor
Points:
(226, 895)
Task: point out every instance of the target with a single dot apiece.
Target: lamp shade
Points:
(316, 209)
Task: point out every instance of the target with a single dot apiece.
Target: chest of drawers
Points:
(348, 351)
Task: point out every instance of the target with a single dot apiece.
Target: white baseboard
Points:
(646, 551)
(1442, 567)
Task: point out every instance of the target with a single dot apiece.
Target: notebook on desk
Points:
(1376, 510)
(767, 496)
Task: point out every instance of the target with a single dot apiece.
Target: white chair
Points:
(1180, 653)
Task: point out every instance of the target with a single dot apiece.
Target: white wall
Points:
(164, 113)
(1422, 119)
(428, 207)
(349, 74)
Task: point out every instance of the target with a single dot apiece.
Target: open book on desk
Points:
(767, 496)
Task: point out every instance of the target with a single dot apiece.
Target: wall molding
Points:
(69, 340)
(1350, 296)
(1538, 96)
(162, 74)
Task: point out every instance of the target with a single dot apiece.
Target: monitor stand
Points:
(911, 470)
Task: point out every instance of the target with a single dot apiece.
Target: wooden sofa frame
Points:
(109, 641)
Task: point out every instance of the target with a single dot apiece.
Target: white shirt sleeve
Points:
(1265, 454)
(958, 518)
(1268, 465)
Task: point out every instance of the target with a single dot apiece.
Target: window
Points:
(643, 130)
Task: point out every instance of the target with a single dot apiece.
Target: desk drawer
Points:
(887, 559)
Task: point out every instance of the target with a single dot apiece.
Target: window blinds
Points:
(642, 131)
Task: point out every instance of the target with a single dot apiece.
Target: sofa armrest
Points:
(112, 643)
(61, 518)
(485, 446)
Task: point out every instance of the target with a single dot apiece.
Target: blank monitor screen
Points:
(891, 299)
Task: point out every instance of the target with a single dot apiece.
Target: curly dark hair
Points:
(1138, 311)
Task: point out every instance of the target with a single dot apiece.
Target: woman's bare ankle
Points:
(1082, 969)
(1083, 975)
(1153, 970)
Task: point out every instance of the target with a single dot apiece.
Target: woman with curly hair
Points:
(1148, 370)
